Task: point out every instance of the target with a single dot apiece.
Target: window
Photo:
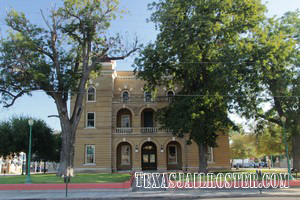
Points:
(172, 154)
(89, 154)
(170, 95)
(91, 94)
(125, 96)
(210, 154)
(125, 155)
(148, 96)
(125, 121)
(90, 122)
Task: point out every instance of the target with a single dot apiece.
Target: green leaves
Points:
(273, 68)
(198, 49)
(60, 58)
(56, 57)
(243, 146)
(14, 138)
(270, 141)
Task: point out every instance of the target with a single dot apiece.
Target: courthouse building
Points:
(118, 130)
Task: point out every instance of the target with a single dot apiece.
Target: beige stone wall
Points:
(109, 86)
(221, 155)
(100, 136)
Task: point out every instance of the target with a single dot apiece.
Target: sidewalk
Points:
(162, 194)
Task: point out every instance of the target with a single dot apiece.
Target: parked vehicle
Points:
(263, 164)
(238, 165)
(255, 165)
(247, 165)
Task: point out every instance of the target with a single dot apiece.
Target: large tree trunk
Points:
(69, 124)
(202, 151)
(296, 151)
(67, 147)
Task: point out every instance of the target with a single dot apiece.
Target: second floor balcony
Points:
(144, 124)
(140, 99)
(140, 130)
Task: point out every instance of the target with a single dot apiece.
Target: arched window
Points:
(170, 95)
(91, 94)
(125, 96)
(148, 96)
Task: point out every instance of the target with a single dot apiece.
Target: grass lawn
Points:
(52, 178)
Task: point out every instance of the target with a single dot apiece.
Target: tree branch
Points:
(15, 97)
(121, 57)
(54, 50)
(71, 33)
(273, 120)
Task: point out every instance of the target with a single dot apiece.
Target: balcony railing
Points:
(124, 130)
(149, 130)
(140, 130)
(138, 98)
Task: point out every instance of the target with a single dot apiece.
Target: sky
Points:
(39, 105)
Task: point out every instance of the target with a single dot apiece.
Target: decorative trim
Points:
(89, 128)
(89, 164)
(106, 73)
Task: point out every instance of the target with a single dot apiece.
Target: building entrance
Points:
(149, 156)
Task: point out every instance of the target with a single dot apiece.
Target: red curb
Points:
(61, 186)
(292, 183)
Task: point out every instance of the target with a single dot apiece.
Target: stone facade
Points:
(118, 131)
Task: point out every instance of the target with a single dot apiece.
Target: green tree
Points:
(14, 135)
(52, 154)
(271, 75)
(242, 145)
(270, 140)
(6, 147)
(59, 59)
(194, 51)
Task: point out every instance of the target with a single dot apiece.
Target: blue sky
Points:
(40, 105)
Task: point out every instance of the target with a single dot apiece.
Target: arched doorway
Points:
(124, 156)
(174, 156)
(149, 156)
(147, 118)
(124, 121)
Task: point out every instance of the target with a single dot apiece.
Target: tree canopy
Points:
(270, 140)
(243, 146)
(14, 138)
(194, 50)
(269, 87)
(59, 58)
